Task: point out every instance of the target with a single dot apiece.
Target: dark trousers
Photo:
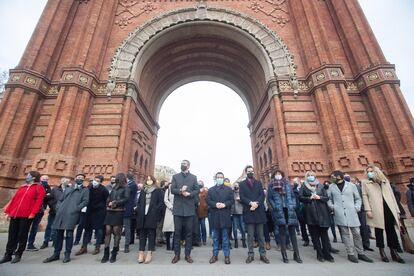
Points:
(35, 226)
(18, 230)
(284, 237)
(252, 229)
(50, 234)
(183, 225)
(364, 229)
(302, 224)
(133, 230)
(333, 229)
(59, 242)
(392, 238)
(196, 230)
(81, 226)
(320, 235)
(144, 235)
(87, 236)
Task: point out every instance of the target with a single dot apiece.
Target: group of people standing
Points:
(179, 209)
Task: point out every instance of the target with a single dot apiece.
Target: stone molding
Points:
(281, 59)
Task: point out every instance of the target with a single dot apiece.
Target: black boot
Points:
(297, 258)
(66, 259)
(5, 259)
(244, 243)
(284, 256)
(236, 243)
(394, 256)
(105, 257)
(113, 254)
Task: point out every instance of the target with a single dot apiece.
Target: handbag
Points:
(407, 244)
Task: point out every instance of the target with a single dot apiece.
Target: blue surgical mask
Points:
(371, 175)
(311, 178)
(29, 179)
(219, 181)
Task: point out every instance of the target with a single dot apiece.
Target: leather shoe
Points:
(264, 259)
(16, 259)
(368, 249)
(189, 259)
(227, 260)
(352, 258)
(333, 250)
(5, 259)
(249, 259)
(364, 258)
(213, 259)
(51, 259)
(175, 259)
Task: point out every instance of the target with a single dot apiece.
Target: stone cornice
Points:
(333, 73)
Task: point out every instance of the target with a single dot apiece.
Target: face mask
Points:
(250, 175)
(371, 175)
(95, 183)
(183, 168)
(44, 182)
(236, 188)
(296, 185)
(29, 179)
(149, 182)
(333, 180)
(311, 178)
(79, 182)
(113, 182)
(278, 177)
(219, 181)
(347, 178)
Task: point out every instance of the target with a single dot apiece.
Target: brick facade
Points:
(86, 94)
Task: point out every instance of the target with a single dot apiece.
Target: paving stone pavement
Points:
(126, 264)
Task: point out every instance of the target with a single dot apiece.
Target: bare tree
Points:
(4, 76)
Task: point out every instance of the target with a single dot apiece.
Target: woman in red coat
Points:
(21, 210)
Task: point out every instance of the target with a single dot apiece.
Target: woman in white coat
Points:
(168, 227)
(382, 211)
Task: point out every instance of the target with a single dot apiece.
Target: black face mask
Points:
(250, 175)
(183, 168)
(236, 188)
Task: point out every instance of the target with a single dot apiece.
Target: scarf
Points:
(148, 189)
(278, 186)
(312, 185)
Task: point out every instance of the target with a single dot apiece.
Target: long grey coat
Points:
(185, 206)
(69, 208)
(345, 204)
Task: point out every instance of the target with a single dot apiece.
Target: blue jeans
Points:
(224, 233)
(203, 231)
(59, 242)
(35, 226)
(50, 234)
(238, 224)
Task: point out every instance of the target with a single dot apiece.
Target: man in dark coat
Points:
(129, 210)
(254, 215)
(55, 196)
(220, 199)
(67, 216)
(95, 215)
(185, 188)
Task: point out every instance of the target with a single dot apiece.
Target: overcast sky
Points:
(218, 141)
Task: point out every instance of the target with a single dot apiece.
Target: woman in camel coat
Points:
(382, 211)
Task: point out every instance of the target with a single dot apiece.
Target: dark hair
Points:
(277, 171)
(35, 175)
(217, 173)
(100, 177)
(185, 160)
(120, 180)
(130, 176)
(412, 180)
(338, 173)
(152, 178)
(247, 167)
(326, 182)
(112, 176)
(226, 179)
(84, 176)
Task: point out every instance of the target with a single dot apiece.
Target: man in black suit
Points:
(185, 188)
(252, 198)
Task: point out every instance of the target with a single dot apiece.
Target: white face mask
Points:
(95, 183)
(278, 177)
